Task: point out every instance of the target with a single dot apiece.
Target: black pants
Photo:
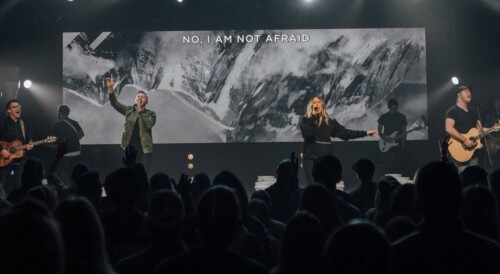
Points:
(146, 159)
(395, 161)
(308, 165)
(66, 168)
(4, 177)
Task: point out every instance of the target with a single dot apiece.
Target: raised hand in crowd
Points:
(184, 185)
(184, 189)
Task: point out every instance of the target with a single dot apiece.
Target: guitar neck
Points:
(481, 135)
(403, 134)
(36, 143)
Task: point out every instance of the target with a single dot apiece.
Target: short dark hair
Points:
(364, 168)
(10, 102)
(327, 169)
(63, 109)
(392, 102)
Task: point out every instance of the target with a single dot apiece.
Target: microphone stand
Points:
(481, 129)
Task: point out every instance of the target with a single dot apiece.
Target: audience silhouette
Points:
(83, 237)
(441, 244)
(444, 223)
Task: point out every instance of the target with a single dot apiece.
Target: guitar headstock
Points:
(50, 139)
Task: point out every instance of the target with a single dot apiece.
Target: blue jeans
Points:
(462, 166)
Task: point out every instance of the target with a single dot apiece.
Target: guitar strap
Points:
(74, 153)
(22, 129)
(71, 126)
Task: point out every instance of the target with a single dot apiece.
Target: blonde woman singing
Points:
(317, 128)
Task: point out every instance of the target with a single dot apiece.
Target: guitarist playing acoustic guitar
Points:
(12, 128)
(465, 129)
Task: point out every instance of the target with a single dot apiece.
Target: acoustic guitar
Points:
(460, 152)
(16, 148)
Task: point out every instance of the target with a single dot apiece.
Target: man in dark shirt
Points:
(71, 130)
(460, 120)
(392, 128)
(12, 128)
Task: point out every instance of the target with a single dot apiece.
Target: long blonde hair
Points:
(324, 115)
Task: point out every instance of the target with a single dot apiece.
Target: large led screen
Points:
(243, 86)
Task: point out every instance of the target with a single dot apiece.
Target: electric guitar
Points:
(16, 149)
(386, 145)
(460, 152)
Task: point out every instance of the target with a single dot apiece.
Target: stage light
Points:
(27, 83)
(308, 1)
(454, 80)
(180, 1)
(190, 156)
(190, 166)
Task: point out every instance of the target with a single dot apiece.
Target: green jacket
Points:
(147, 120)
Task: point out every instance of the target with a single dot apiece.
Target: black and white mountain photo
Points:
(244, 86)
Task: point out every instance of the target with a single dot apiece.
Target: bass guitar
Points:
(386, 145)
(16, 149)
(460, 152)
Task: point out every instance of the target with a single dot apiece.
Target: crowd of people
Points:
(135, 222)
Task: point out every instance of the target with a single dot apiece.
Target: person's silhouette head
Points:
(317, 200)
(263, 196)
(302, 245)
(45, 194)
(77, 171)
(90, 187)
(219, 216)
(33, 173)
(385, 187)
(479, 211)
(83, 236)
(166, 214)
(229, 179)
(30, 244)
(160, 181)
(123, 188)
(284, 171)
(327, 170)
(474, 175)
(260, 210)
(358, 247)
(364, 169)
(438, 190)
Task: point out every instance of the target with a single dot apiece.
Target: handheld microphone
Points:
(315, 108)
